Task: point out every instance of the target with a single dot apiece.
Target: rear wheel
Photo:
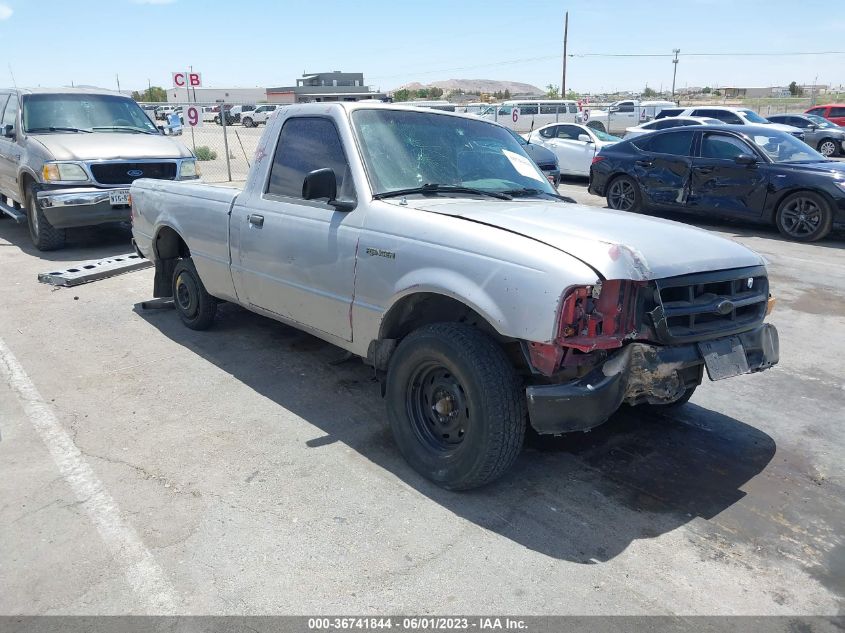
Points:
(596, 125)
(623, 194)
(827, 147)
(194, 305)
(456, 406)
(44, 235)
(804, 216)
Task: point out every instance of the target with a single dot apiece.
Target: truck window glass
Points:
(11, 112)
(403, 150)
(83, 111)
(307, 144)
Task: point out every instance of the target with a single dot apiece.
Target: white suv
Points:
(739, 116)
(259, 115)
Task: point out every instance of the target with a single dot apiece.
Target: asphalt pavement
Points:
(249, 469)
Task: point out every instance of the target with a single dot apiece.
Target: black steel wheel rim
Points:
(801, 217)
(186, 295)
(438, 407)
(622, 195)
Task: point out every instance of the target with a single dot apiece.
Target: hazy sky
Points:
(243, 43)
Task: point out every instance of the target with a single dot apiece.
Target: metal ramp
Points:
(94, 270)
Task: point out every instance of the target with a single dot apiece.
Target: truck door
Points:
(722, 186)
(622, 115)
(296, 257)
(10, 151)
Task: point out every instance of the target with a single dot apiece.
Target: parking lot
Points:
(149, 468)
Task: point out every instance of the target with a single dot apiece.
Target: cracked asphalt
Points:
(259, 473)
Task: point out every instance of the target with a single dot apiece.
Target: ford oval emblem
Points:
(724, 307)
(135, 173)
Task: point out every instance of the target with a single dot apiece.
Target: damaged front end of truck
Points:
(635, 342)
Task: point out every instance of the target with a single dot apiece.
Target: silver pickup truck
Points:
(430, 245)
(68, 156)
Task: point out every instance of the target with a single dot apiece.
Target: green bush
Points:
(204, 152)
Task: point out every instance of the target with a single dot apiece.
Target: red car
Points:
(833, 112)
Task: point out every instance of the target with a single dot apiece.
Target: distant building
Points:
(213, 95)
(732, 92)
(320, 87)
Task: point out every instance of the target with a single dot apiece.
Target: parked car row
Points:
(753, 172)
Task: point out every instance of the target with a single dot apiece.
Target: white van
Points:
(530, 114)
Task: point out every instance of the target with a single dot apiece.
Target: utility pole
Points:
(149, 91)
(675, 72)
(565, 42)
(117, 77)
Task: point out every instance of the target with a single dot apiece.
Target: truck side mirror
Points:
(745, 159)
(320, 183)
(9, 131)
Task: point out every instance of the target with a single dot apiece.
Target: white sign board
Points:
(184, 79)
(193, 116)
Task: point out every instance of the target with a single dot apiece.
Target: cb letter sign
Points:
(187, 80)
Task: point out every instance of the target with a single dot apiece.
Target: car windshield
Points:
(44, 113)
(785, 148)
(820, 121)
(408, 150)
(752, 117)
(604, 136)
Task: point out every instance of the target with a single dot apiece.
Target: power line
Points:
(785, 54)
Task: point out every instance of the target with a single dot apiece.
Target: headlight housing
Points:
(189, 169)
(64, 172)
(840, 184)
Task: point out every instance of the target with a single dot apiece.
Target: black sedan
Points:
(745, 172)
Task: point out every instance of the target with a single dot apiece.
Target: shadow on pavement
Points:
(90, 242)
(581, 498)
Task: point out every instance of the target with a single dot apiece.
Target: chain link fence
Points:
(224, 147)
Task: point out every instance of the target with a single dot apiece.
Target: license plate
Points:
(724, 358)
(119, 197)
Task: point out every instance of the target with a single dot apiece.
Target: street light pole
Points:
(565, 42)
(675, 72)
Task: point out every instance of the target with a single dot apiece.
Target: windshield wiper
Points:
(122, 128)
(54, 128)
(527, 191)
(436, 188)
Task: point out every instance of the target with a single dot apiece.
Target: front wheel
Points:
(623, 194)
(247, 122)
(456, 407)
(195, 307)
(44, 235)
(827, 147)
(804, 217)
(596, 125)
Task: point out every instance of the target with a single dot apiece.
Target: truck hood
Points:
(616, 244)
(109, 146)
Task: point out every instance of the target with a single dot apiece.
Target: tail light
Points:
(597, 159)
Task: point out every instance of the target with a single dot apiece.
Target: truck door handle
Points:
(255, 220)
(645, 163)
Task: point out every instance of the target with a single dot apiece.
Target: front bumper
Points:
(66, 208)
(638, 373)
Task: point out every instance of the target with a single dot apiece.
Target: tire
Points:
(828, 147)
(44, 236)
(247, 122)
(479, 431)
(804, 216)
(596, 125)
(217, 120)
(194, 305)
(623, 194)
